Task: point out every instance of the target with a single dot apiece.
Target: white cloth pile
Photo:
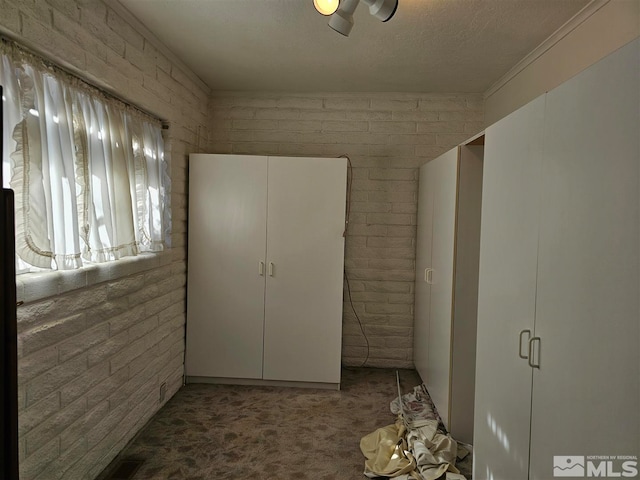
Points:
(413, 448)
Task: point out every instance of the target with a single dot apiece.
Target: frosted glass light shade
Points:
(326, 7)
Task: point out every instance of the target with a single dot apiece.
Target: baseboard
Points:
(260, 382)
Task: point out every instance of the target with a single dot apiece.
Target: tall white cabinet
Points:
(265, 269)
(558, 364)
(447, 251)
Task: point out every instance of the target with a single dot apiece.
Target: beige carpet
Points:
(242, 432)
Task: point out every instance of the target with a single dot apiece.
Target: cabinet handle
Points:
(261, 269)
(520, 343)
(533, 340)
(271, 269)
(428, 275)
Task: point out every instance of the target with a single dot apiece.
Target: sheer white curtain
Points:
(11, 114)
(43, 174)
(154, 220)
(110, 178)
(89, 173)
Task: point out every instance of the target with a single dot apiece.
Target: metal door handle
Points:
(271, 269)
(531, 357)
(261, 269)
(520, 343)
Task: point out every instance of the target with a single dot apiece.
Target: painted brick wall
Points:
(90, 366)
(91, 360)
(387, 137)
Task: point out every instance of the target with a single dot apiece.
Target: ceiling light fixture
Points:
(326, 7)
(342, 20)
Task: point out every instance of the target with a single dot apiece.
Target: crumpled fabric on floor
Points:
(435, 452)
(429, 453)
(417, 406)
(386, 453)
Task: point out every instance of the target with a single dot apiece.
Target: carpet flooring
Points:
(247, 432)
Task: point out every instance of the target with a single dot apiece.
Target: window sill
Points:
(31, 287)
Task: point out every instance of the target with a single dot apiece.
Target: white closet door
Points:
(227, 230)
(586, 392)
(506, 293)
(465, 310)
(445, 173)
(305, 246)
(423, 264)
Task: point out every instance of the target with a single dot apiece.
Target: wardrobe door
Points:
(305, 257)
(586, 391)
(506, 293)
(465, 310)
(445, 173)
(225, 291)
(423, 270)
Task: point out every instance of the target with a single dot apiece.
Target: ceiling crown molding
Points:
(571, 24)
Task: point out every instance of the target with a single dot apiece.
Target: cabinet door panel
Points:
(445, 173)
(225, 292)
(506, 293)
(423, 262)
(305, 243)
(586, 392)
(465, 310)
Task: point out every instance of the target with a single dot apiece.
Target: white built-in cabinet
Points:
(265, 269)
(447, 247)
(558, 301)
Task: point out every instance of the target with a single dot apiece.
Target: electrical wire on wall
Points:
(346, 228)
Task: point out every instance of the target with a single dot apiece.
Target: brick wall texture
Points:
(387, 137)
(91, 361)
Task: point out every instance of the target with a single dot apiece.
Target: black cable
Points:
(346, 277)
(349, 183)
(357, 317)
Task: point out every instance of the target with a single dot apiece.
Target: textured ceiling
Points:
(285, 45)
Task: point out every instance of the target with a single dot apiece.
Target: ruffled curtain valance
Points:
(89, 173)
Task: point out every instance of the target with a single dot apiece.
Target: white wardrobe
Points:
(265, 269)
(558, 311)
(447, 248)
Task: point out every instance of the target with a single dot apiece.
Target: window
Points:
(89, 173)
